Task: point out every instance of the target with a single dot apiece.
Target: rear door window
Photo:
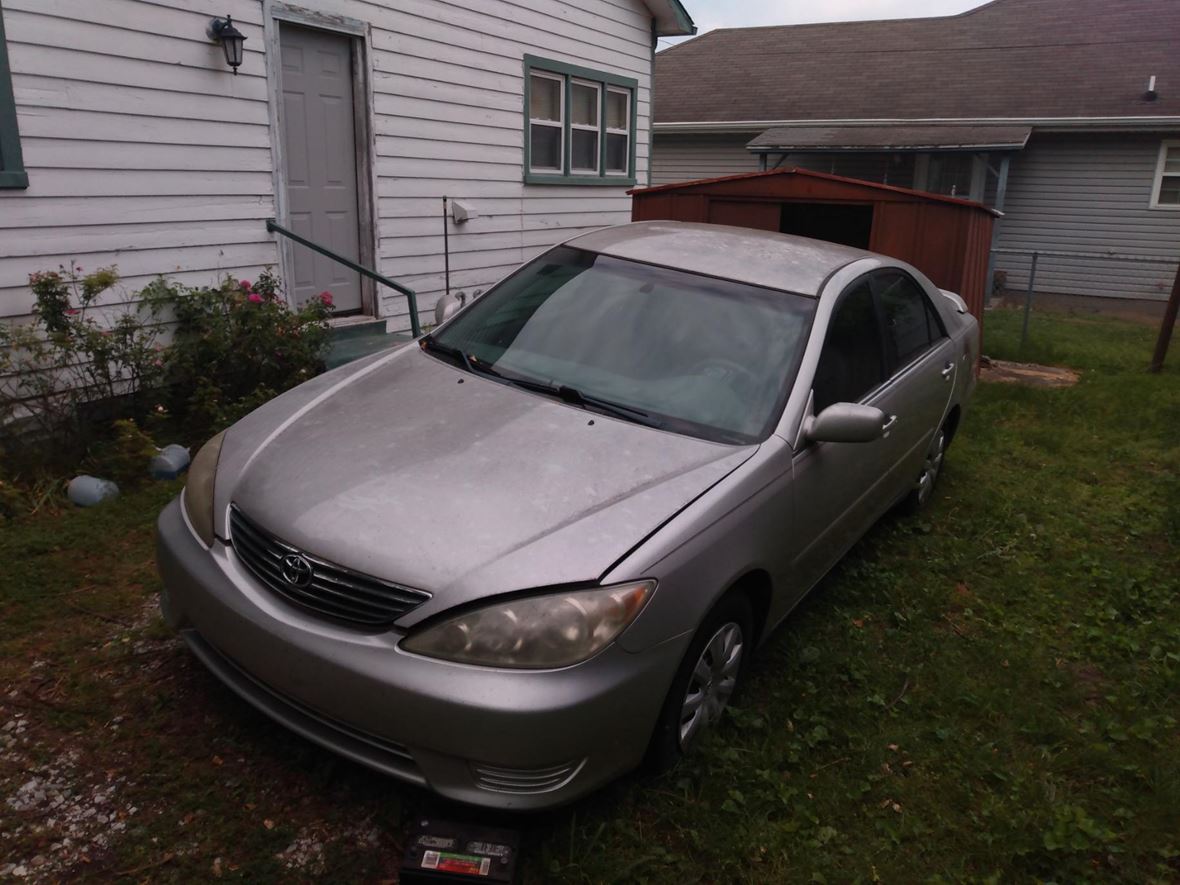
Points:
(852, 363)
(911, 325)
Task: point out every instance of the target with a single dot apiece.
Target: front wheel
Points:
(706, 682)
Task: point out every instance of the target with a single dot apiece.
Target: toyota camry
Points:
(519, 556)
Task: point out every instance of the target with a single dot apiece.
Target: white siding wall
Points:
(687, 157)
(144, 151)
(1089, 194)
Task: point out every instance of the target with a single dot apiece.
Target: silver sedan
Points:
(511, 561)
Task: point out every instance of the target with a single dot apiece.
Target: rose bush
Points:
(86, 361)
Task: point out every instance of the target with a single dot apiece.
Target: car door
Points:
(921, 367)
(837, 486)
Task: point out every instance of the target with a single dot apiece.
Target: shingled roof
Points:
(1007, 60)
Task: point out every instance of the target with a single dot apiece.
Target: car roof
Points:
(761, 258)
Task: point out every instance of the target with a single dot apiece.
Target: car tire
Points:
(922, 492)
(708, 679)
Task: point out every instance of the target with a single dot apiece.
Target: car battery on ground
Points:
(441, 851)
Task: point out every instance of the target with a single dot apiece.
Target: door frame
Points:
(365, 137)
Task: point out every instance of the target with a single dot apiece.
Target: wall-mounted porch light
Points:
(222, 30)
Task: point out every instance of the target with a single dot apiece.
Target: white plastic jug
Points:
(170, 462)
(86, 491)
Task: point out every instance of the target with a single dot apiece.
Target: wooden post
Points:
(1161, 345)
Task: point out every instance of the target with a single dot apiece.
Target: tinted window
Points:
(707, 357)
(910, 326)
(851, 363)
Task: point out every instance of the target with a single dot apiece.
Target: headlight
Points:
(535, 632)
(198, 490)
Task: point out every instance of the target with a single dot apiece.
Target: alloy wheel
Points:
(930, 468)
(712, 683)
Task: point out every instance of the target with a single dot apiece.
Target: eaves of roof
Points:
(671, 18)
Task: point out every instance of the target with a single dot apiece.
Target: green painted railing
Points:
(411, 296)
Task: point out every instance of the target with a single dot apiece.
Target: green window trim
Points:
(604, 81)
(12, 166)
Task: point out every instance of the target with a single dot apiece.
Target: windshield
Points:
(692, 354)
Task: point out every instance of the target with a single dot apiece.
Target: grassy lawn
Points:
(990, 691)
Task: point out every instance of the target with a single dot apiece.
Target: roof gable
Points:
(1010, 59)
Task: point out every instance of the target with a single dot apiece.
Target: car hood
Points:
(409, 469)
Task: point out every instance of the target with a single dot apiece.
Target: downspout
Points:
(1001, 195)
(651, 102)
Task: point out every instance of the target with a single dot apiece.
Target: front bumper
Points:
(510, 739)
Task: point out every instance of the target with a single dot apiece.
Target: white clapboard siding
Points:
(142, 150)
(145, 152)
(1088, 194)
(689, 157)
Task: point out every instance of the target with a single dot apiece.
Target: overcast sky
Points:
(710, 14)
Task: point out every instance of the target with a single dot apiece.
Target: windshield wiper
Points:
(568, 394)
(431, 343)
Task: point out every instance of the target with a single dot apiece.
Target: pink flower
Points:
(255, 298)
(326, 298)
(73, 311)
(245, 285)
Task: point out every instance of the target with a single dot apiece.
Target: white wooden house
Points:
(126, 139)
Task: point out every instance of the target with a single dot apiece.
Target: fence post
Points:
(1161, 344)
(1028, 297)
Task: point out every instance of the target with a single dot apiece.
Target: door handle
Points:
(947, 371)
(888, 425)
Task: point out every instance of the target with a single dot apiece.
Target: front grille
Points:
(524, 780)
(323, 588)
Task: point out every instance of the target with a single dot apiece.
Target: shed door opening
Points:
(849, 224)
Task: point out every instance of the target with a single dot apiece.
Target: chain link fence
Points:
(1022, 275)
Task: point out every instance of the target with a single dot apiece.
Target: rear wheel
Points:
(923, 488)
(708, 678)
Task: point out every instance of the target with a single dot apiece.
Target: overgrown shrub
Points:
(85, 376)
(234, 347)
(125, 456)
(77, 353)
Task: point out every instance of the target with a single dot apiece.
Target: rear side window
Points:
(851, 364)
(910, 323)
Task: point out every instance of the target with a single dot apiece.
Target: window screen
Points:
(851, 364)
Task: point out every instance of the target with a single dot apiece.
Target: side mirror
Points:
(446, 307)
(846, 422)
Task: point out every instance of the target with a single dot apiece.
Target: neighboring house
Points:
(1065, 114)
(126, 139)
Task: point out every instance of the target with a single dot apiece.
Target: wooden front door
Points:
(320, 162)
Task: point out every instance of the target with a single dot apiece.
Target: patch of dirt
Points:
(1029, 374)
(1093, 684)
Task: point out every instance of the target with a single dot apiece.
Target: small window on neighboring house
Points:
(1166, 194)
(580, 125)
(12, 167)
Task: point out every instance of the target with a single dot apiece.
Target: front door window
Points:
(852, 363)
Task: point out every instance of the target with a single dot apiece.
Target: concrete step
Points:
(353, 338)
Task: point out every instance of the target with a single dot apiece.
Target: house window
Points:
(581, 125)
(618, 131)
(12, 167)
(1166, 192)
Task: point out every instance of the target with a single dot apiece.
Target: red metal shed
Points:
(946, 238)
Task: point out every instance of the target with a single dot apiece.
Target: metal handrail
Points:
(411, 296)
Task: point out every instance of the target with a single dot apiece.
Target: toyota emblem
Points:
(296, 570)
